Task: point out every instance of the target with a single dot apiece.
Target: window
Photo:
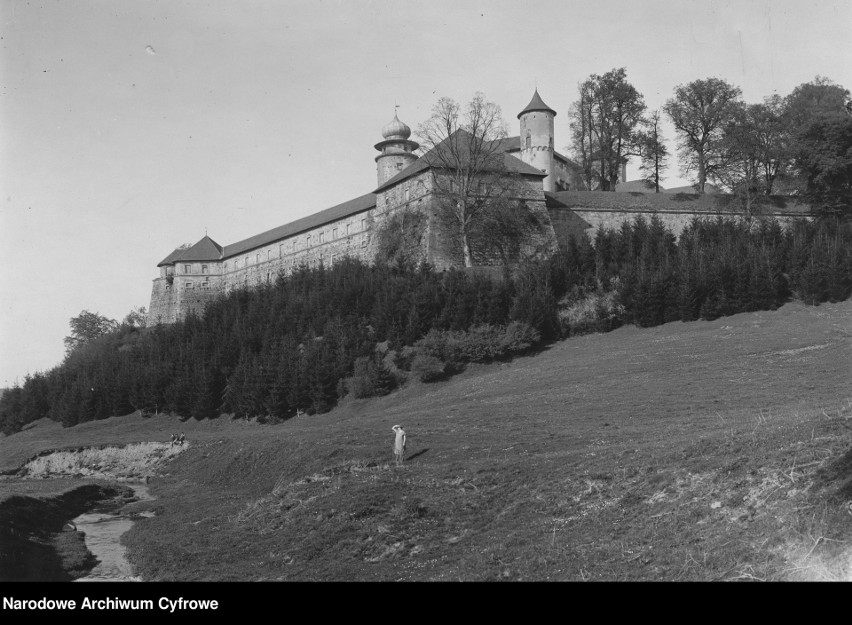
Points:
(407, 194)
(204, 269)
(347, 229)
(332, 260)
(246, 263)
(281, 250)
(204, 285)
(187, 268)
(236, 263)
(321, 237)
(334, 233)
(269, 276)
(363, 224)
(187, 285)
(529, 141)
(308, 241)
(257, 258)
(268, 254)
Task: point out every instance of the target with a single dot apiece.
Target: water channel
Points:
(103, 529)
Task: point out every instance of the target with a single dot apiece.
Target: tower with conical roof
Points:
(537, 138)
(397, 151)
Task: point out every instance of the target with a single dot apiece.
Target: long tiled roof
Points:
(352, 207)
(207, 249)
(433, 158)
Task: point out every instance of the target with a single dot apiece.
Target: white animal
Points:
(399, 444)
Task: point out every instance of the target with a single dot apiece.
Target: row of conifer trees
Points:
(297, 345)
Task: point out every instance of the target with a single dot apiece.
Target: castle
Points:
(545, 183)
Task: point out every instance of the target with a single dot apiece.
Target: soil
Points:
(691, 451)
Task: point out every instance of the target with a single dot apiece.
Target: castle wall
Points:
(566, 177)
(174, 297)
(674, 221)
(444, 248)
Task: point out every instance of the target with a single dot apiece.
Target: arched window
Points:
(529, 141)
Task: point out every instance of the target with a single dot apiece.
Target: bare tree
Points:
(586, 147)
(470, 176)
(653, 150)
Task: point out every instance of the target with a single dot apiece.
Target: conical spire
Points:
(537, 104)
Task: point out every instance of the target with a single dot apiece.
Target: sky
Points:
(130, 127)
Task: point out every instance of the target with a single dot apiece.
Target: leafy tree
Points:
(605, 123)
(817, 98)
(819, 123)
(136, 318)
(824, 160)
(86, 327)
(700, 112)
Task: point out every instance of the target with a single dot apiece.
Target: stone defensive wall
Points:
(676, 210)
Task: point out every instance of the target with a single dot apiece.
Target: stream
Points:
(103, 529)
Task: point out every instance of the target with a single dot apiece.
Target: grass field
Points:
(690, 451)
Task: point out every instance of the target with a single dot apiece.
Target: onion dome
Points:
(396, 130)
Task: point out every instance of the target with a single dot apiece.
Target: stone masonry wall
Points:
(674, 221)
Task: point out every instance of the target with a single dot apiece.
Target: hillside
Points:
(689, 451)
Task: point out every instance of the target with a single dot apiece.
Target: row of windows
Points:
(205, 269)
(320, 237)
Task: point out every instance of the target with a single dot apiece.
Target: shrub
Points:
(370, 379)
(427, 368)
(582, 312)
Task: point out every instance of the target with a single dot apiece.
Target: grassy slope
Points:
(706, 450)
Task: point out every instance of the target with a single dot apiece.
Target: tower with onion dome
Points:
(397, 151)
(537, 138)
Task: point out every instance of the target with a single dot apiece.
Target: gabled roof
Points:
(172, 258)
(536, 104)
(352, 207)
(462, 139)
(205, 250)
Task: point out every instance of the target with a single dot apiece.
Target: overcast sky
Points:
(131, 126)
